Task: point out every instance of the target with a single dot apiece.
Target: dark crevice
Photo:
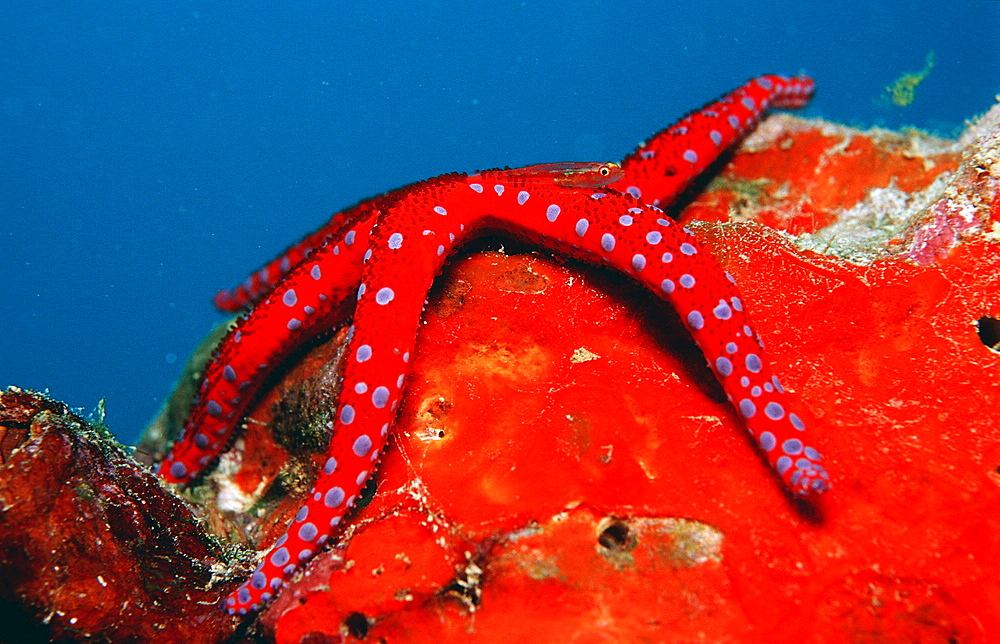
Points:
(20, 626)
(617, 536)
(357, 625)
(989, 332)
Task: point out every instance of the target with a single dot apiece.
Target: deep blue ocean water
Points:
(151, 153)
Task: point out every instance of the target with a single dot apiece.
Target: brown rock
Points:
(91, 545)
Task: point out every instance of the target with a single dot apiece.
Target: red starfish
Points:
(384, 254)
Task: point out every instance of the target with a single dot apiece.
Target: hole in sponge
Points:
(989, 332)
(617, 536)
(357, 625)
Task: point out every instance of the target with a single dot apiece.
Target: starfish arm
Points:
(408, 248)
(261, 281)
(661, 168)
(312, 299)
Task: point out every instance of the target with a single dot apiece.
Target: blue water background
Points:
(151, 153)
